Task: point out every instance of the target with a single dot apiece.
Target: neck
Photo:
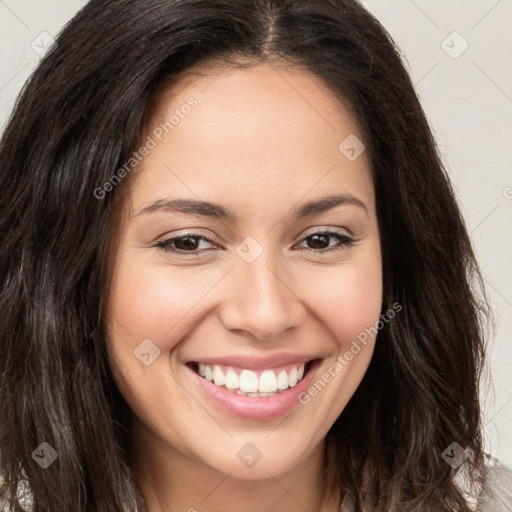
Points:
(173, 481)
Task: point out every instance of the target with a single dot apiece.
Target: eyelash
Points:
(344, 242)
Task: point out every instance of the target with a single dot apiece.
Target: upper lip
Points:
(257, 363)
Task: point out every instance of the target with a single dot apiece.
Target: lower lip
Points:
(255, 408)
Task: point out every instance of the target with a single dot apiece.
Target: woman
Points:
(234, 273)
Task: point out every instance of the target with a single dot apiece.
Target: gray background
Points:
(467, 95)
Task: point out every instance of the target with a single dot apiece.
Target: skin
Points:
(261, 142)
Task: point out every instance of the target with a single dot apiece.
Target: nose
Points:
(261, 301)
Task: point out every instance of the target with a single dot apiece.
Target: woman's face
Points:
(278, 293)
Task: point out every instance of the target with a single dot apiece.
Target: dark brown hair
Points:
(75, 124)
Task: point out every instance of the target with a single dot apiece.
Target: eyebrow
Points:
(209, 209)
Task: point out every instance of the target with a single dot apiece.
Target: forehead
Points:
(259, 133)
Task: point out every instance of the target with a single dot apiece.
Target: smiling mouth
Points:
(245, 382)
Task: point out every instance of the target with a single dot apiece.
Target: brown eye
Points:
(320, 242)
(187, 243)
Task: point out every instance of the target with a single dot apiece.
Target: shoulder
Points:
(24, 496)
(497, 494)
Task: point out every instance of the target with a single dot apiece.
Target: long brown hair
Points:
(76, 123)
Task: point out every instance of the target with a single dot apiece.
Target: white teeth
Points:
(218, 376)
(248, 383)
(293, 377)
(268, 382)
(282, 380)
(232, 380)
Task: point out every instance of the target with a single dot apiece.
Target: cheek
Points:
(347, 299)
(151, 301)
